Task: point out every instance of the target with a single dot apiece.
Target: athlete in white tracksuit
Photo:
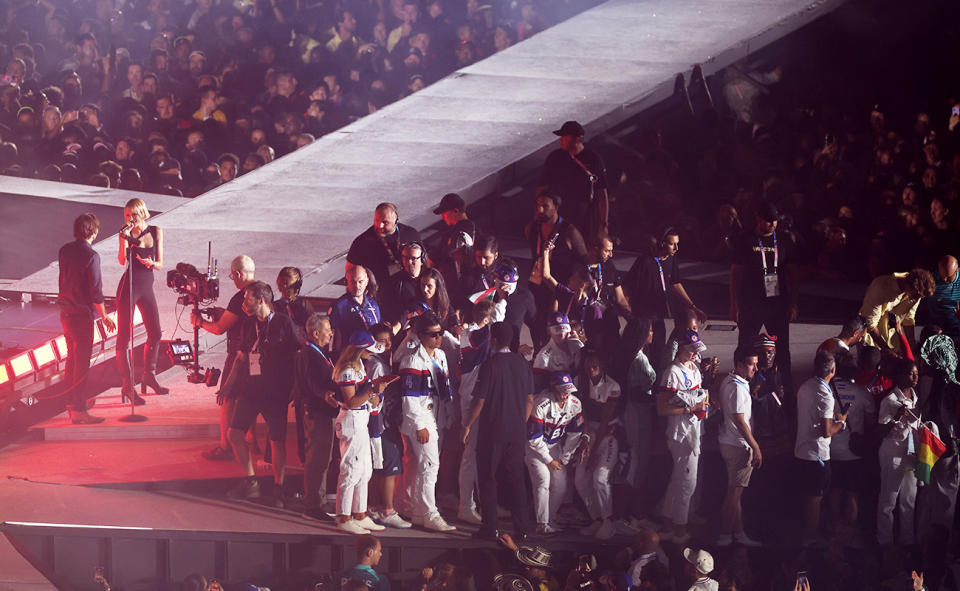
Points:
(424, 384)
(593, 476)
(682, 400)
(356, 463)
(554, 432)
(898, 458)
(560, 354)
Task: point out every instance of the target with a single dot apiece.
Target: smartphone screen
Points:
(956, 110)
(802, 577)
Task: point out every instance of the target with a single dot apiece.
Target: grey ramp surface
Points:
(470, 132)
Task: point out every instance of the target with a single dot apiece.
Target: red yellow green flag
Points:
(928, 452)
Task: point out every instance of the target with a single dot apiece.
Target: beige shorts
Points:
(739, 461)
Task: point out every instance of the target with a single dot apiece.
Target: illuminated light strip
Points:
(60, 343)
(21, 365)
(78, 525)
(97, 336)
(4, 376)
(44, 355)
(137, 317)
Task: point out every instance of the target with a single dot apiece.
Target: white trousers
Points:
(683, 482)
(468, 472)
(549, 486)
(898, 488)
(356, 463)
(593, 478)
(421, 465)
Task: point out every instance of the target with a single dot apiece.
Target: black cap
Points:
(768, 212)
(450, 201)
(570, 128)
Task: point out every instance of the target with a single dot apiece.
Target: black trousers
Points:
(146, 302)
(78, 332)
(503, 459)
(774, 315)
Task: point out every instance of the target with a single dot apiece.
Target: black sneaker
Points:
(249, 488)
(317, 513)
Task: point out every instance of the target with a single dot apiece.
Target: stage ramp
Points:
(474, 132)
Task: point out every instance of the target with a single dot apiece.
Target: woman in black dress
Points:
(145, 245)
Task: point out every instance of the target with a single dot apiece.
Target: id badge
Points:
(771, 285)
(254, 364)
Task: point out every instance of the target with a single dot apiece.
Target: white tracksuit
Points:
(683, 441)
(376, 368)
(356, 463)
(554, 357)
(593, 478)
(898, 483)
(553, 433)
(420, 379)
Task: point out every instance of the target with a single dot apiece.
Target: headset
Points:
(668, 231)
(296, 285)
(418, 244)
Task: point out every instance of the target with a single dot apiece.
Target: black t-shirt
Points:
(647, 294)
(521, 309)
(504, 382)
(569, 251)
(80, 284)
(563, 176)
(607, 278)
(749, 252)
(276, 341)
(380, 255)
(236, 332)
(397, 296)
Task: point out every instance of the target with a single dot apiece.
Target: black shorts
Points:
(274, 413)
(847, 475)
(391, 442)
(813, 479)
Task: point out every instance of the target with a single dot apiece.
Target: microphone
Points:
(127, 226)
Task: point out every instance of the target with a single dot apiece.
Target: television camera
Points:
(195, 288)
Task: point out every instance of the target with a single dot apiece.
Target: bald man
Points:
(230, 322)
(942, 307)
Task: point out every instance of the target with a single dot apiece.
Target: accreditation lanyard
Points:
(446, 379)
(763, 254)
(261, 336)
(361, 309)
(320, 351)
(687, 382)
(663, 284)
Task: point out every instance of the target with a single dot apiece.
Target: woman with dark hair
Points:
(640, 409)
(145, 244)
(433, 292)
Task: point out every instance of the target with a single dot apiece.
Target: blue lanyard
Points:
(663, 282)
(256, 346)
(687, 382)
(320, 351)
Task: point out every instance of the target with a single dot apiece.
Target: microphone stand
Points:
(133, 417)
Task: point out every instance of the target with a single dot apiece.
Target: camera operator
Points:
(269, 346)
(231, 323)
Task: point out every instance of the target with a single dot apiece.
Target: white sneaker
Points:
(469, 516)
(352, 526)
(724, 540)
(606, 530)
(368, 523)
(744, 540)
(437, 523)
(546, 528)
(394, 520)
(591, 529)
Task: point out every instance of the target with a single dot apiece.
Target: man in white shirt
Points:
(739, 448)
(848, 466)
(817, 422)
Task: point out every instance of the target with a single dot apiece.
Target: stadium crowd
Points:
(178, 97)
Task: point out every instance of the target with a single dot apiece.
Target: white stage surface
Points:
(473, 132)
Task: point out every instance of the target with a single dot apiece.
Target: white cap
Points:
(700, 559)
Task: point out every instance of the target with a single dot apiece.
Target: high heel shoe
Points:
(128, 392)
(149, 380)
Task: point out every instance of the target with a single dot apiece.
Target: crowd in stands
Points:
(178, 97)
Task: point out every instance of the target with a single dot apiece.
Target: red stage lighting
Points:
(44, 355)
(21, 365)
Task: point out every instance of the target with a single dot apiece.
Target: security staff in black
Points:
(763, 286)
(266, 388)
